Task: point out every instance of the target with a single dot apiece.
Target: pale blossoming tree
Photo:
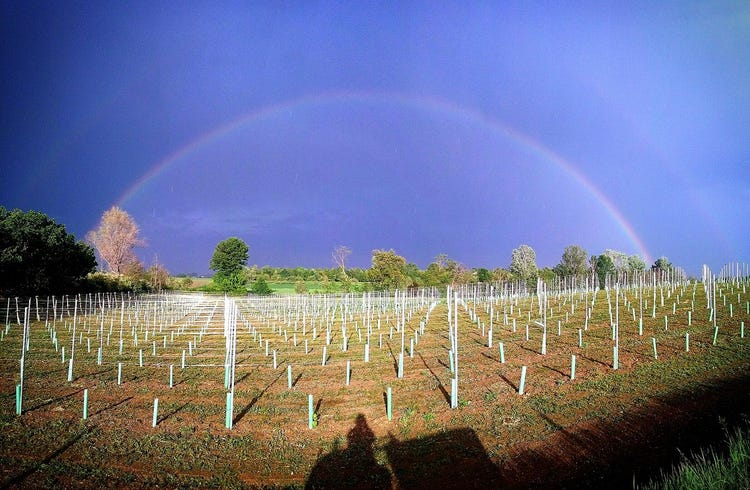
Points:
(115, 238)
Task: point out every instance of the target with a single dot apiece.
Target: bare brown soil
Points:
(607, 426)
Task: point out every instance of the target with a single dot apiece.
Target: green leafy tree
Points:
(360, 275)
(261, 287)
(437, 272)
(300, 287)
(445, 270)
(229, 283)
(38, 255)
(662, 264)
(348, 284)
(546, 274)
(483, 275)
(431, 275)
(636, 263)
(604, 267)
(228, 260)
(414, 275)
(388, 270)
(229, 256)
(500, 274)
(574, 261)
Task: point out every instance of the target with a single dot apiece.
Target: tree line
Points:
(39, 256)
(389, 270)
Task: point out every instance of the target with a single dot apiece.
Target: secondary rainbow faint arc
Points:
(420, 102)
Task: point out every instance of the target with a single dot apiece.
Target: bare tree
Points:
(158, 275)
(115, 239)
(339, 255)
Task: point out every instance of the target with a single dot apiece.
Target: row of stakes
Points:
(311, 416)
(400, 363)
(313, 421)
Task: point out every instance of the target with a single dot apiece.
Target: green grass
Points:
(709, 469)
(279, 287)
(312, 287)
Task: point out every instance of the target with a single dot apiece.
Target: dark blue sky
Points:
(429, 127)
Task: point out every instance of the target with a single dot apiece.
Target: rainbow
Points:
(417, 102)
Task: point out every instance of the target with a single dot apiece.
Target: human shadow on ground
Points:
(451, 459)
(352, 467)
(627, 448)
